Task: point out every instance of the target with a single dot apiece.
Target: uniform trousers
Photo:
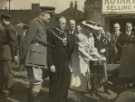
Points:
(6, 77)
(35, 76)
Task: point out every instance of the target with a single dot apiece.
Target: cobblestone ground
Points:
(19, 93)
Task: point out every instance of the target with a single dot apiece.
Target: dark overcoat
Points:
(115, 48)
(127, 63)
(71, 43)
(59, 55)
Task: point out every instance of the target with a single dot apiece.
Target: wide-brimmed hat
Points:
(91, 25)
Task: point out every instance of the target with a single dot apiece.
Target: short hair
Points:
(62, 18)
(72, 20)
(129, 23)
(116, 25)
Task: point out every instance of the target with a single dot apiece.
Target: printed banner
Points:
(118, 6)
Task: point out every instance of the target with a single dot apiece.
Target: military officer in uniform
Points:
(35, 51)
(59, 62)
(8, 42)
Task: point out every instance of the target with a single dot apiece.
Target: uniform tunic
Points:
(35, 53)
(35, 44)
(8, 42)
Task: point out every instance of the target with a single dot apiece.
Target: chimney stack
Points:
(36, 7)
(71, 4)
(76, 5)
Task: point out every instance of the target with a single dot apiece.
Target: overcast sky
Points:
(59, 4)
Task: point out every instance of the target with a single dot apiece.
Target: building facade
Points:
(26, 15)
(73, 12)
(107, 12)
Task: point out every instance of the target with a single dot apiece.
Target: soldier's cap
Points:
(47, 9)
(5, 16)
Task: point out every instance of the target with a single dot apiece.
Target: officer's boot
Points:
(33, 97)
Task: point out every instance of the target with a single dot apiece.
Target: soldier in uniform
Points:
(35, 51)
(8, 42)
(59, 57)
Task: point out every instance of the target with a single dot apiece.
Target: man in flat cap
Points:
(35, 51)
(8, 42)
